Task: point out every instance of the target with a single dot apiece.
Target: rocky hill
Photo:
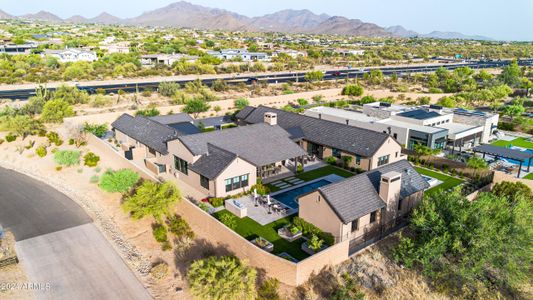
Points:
(4, 15)
(42, 16)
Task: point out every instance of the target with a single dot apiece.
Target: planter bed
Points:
(263, 244)
(287, 235)
(306, 249)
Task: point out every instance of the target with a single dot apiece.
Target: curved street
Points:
(58, 245)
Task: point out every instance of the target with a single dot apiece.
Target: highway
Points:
(140, 85)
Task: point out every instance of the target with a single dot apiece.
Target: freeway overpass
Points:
(140, 85)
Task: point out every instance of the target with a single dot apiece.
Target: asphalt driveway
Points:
(62, 252)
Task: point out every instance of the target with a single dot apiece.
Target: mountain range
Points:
(188, 15)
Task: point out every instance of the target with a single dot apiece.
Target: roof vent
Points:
(271, 118)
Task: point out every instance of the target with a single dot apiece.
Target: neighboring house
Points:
(363, 206)
(144, 139)
(432, 126)
(151, 60)
(72, 55)
(367, 149)
(17, 49)
(291, 53)
(121, 47)
(244, 55)
(347, 52)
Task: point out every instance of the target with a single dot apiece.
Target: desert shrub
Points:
(151, 199)
(118, 181)
(71, 141)
(241, 103)
(1, 141)
(233, 279)
(67, 157)
(179, 227)
(352, 90)
(11, 138)
(216, 202)
(94, 179)
(91, 160)
(41, 151)
(160, 233)
(97, 129)
(53, 137)
(59, 168)
(149, 112)
(269, 290)
(159, 270)
(168, 89)
(229, 220)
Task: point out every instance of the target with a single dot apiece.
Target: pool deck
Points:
(260, 213)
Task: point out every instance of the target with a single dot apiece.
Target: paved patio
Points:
(260, 213)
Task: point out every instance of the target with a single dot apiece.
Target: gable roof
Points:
(214, 162)
(351, 139)
(259, 144)
(358, 196)
(146, 131)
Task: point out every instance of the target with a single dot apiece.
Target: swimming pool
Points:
(289, 197)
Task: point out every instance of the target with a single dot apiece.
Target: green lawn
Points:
(529, 176)
(250, 229)
(520, 142)
(447, 181)
(318, 173)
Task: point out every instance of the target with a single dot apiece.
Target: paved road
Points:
(59, 246)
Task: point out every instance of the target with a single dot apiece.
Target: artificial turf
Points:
(529, 176)
(250, 229)
(519, 142)
(448, 182)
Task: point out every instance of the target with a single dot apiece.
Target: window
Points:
(236, 182)
(400, 204)
(181, 165)
(357, 160)
(151, 151)
(396, 153)
(383, 160)
(336, 152)
(355, 225)
(204, 182)
(395, 136)
(373, 216)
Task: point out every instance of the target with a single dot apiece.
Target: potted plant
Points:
(263, 244)
(313, 245)
(290, 232)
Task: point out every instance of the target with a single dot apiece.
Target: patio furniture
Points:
(236, 208)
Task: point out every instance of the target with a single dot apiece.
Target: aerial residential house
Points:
(120, 47)
(18, 49)
(347, 52)
(321, 138)
(243, 54)
(151, 60)
(361, 207)
(72, 55)
(290, 52)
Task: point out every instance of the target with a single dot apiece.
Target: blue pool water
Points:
(517, 162)
(289, 197)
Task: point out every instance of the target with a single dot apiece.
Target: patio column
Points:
(528, 164)
(519, 169)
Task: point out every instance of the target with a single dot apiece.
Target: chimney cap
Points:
(391, 175)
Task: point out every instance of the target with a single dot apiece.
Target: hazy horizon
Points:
(509, 20)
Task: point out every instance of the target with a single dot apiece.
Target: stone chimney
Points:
(389, 191)
(271, 118)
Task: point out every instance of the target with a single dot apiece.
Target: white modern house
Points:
(231, 54)
(151, 60)
(72, 55)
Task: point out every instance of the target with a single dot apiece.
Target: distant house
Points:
(291, 53)
(347, 52)
(121, 47)
(18, 49)
(231, 54)
(151, 60)
(72, 55)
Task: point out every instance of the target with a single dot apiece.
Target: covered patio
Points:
(500, 152)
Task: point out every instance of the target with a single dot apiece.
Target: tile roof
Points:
(185, 128)
(146, 131)
(214, 162)
(173, 119)
(351, 139)
(358, 196)
(260, 144)
(214, 121)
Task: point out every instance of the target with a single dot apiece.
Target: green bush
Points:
(216, 202)
(119, 181)
(11, 138)
(352, 90)
(71, 141)
(160, 233)
(150, 112)
(179, 227)
(309, 230)
(54, 138)
(269, 290)
(41, 151)
(229, 220)
(331, 160)
(1, 141)
(97, 129)
(91, 160)
(67, 157)
(261, 189)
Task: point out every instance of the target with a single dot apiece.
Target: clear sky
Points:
(499, 19)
